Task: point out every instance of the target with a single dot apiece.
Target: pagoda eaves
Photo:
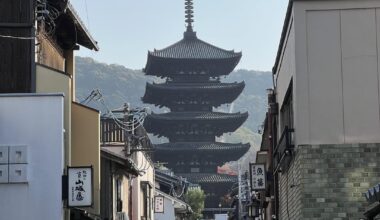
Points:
(221, 152)
(173, 95)
(193, 125)
(191, 56)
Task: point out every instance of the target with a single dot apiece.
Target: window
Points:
(147, 200)
(286, 115)
(119, 201)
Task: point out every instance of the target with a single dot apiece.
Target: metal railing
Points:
(283, 151)
(110, 131)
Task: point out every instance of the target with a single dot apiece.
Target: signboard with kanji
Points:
(258, 176)
(159, 204)
(80, 186)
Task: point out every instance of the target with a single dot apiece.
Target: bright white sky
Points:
(127, 29)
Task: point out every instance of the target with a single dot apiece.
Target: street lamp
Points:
(253, 209)
(220, 208)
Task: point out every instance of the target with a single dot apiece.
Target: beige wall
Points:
(50, 81)
(85, 149)
(137, 194)
(336, 71)
(125, 196)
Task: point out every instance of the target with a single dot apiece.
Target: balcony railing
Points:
(282, 154)
(110, 131)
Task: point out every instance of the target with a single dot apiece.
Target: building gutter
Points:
(283, 36)
(89, 41)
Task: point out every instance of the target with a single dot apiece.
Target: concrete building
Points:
(38, 40)
(31, 156)
(171, 191)
(174, 208)
(116, 191)
(133, 147)
(327, 120)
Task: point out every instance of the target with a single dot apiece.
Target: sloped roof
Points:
(199, 116)
(191, 55)
(84, 37)
(208, 178)
(206, 146)
(194, 48)
(193, 86)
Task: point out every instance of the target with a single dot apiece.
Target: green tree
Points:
(196, 199)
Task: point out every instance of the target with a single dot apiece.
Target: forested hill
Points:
(118, 85)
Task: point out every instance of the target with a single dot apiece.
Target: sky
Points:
(127, 29)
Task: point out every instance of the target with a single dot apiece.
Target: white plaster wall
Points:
(137, 194)
(325, 78)
(286, 68)
(336, 81)
(37, 122)
(168, 211)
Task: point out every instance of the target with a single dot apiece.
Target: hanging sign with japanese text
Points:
(258, 176)
(159, 204)
(80, 186)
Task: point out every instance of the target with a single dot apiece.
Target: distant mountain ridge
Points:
(119, 84)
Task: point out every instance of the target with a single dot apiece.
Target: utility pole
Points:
(239, 192)
(127, 136)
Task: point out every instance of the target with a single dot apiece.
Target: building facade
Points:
(128, 176)
(326, 120)
(38, 40)
(31, 156)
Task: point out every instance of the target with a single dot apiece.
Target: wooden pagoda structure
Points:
(192, 69)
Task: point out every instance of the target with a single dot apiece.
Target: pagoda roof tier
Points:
(204, 178)
(202, 116)
(201, 146)
(194, 123)
(221, 152)
(172, 94)
(191, 56)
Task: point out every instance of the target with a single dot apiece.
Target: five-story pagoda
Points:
(192, 69)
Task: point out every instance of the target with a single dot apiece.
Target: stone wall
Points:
(328, 181)
(290, 193)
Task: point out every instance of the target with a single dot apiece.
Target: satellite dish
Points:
(66, 32)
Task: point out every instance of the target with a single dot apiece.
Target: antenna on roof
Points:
(189, 14)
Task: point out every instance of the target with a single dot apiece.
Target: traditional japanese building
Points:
(192, 69)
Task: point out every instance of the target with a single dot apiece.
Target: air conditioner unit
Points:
(121, 216)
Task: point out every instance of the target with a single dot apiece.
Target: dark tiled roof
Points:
(190, 116)
(191, 56)
(207, 146)
(84, 37)
(194, 48)
(193, 86)
(170, 94)
(208, 178)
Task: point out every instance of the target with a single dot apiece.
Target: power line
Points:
(15, 37)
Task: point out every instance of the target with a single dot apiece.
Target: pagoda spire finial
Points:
(189, 14)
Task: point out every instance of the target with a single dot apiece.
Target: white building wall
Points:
(325, 77)
(34, 121)
(137, 194)
(168, 211)
(286, 69)
(336, 80)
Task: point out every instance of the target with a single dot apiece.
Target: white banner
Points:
(159, 204)
(258, 176)
(80, 186)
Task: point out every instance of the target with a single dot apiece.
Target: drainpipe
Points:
(273, 204)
